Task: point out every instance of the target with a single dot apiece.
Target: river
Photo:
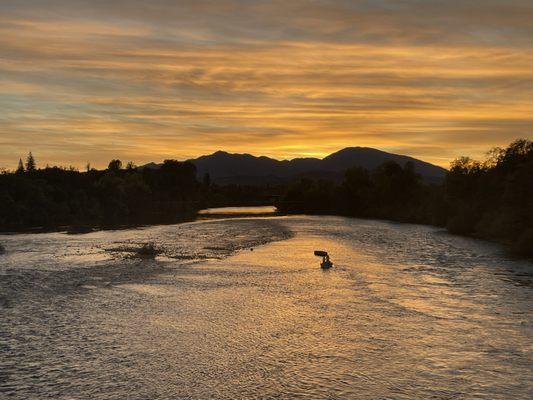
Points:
(238, 308)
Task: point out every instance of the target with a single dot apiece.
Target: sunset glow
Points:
(88, 81)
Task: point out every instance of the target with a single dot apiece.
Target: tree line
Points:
(491, 199)
(54, 197)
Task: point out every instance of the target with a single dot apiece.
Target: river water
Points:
(408, 311)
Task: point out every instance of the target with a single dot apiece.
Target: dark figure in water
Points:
(326, 262)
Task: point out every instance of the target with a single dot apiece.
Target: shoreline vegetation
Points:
(57, 197)
(490, 199)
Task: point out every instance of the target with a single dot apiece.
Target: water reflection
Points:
(239, 210)
(407, 312)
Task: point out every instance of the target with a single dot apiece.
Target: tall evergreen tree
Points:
(30, 163)
(20, 168)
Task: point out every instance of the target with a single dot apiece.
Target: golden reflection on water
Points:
(407, 312)
(361, 330)
(228, 211)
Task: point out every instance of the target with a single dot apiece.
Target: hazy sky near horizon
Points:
(91, 80)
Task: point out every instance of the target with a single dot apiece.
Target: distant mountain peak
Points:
(235, 167)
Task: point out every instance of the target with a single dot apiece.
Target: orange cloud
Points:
(144, 82)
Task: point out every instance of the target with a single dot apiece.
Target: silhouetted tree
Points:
(357, 192)
(115, 165)
(176, 177)
(20, 168)
(30, 163)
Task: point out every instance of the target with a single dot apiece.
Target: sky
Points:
(93, 80)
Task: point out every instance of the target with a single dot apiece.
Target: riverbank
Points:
(520, 250)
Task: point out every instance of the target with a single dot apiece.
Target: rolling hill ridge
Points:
(227, 168)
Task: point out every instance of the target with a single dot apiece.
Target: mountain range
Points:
(226, 168)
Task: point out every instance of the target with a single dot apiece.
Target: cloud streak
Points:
(89, 81)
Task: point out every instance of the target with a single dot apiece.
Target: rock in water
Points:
(148, 250)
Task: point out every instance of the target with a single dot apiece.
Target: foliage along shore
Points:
(53, 197)
(492, 199)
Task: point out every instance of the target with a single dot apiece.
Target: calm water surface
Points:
(228, 211)
(407, 312)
